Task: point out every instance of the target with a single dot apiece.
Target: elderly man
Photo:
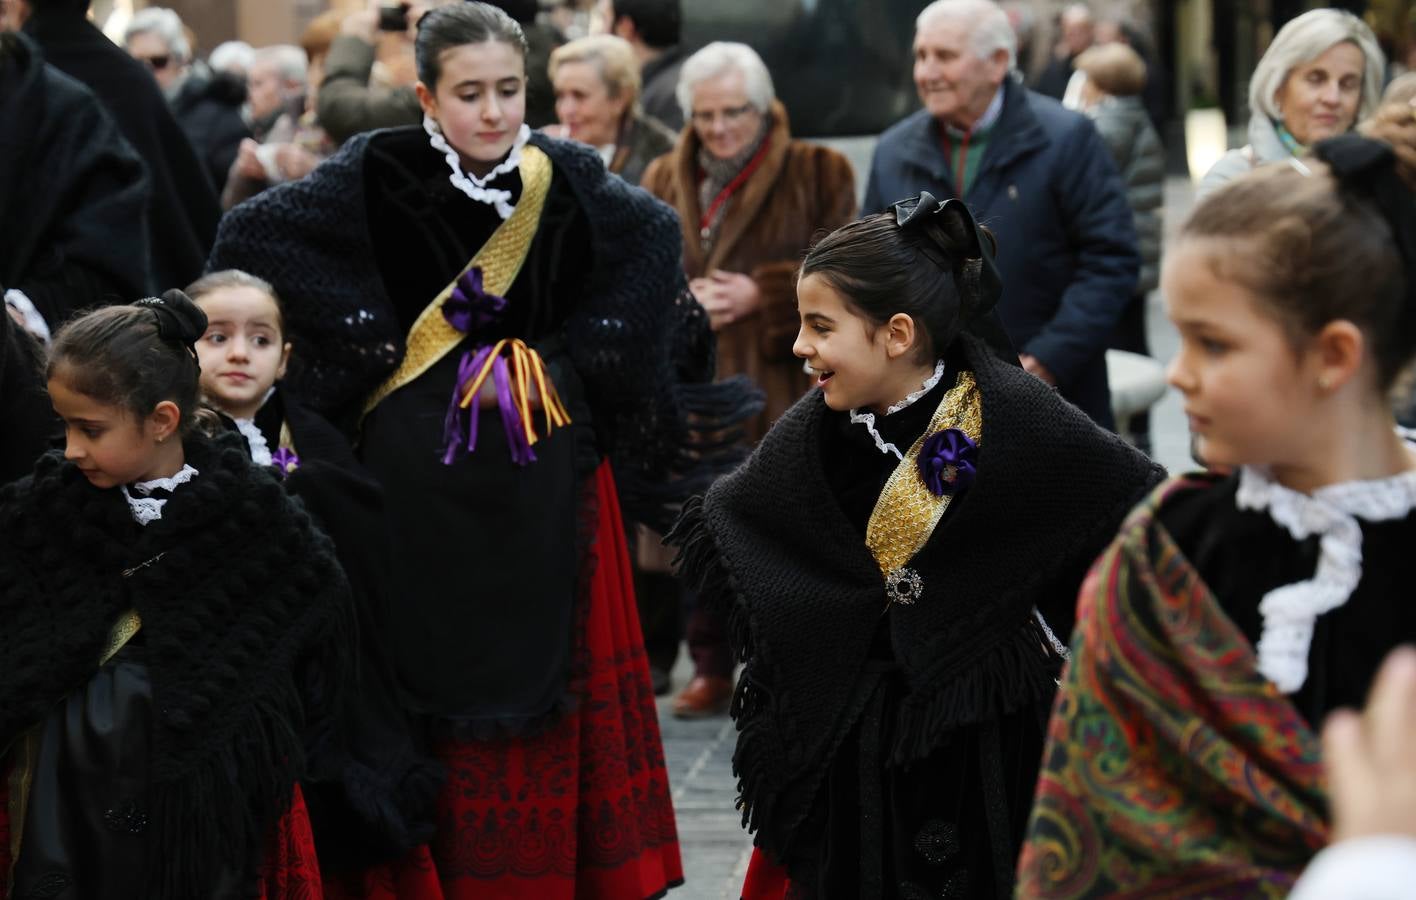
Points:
(1039, 176)
(275, 85)
(207, 104)
(1078, 33)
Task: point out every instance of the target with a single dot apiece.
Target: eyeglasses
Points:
(731, 116)
(156, 63)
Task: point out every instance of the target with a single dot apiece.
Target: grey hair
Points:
(725, 56)
(989, 29)
(289, 61)
(164, 23)
(229, 54)
(1303, 40)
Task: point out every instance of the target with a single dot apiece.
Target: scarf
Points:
(1173, 767)
(246, 622)
(719, 173)
(770, 549)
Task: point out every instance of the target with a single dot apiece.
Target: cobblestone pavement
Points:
(699, 753)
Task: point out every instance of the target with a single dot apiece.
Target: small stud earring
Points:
(1324, 382)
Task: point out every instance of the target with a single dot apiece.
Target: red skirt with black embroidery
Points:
(291, 870)
(576, 812)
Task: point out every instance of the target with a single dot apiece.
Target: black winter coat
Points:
(208, 107)
(1050, 192)
(184, 210)
(73, 195)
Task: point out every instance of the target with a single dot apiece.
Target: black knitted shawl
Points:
(639, 341)
(771, 547)
(246, 635)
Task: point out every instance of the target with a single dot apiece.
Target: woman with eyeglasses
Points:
(749, 198)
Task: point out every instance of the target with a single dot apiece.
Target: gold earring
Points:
(1324, 382)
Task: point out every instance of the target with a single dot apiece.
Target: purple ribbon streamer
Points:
(469, 306)
(472, 362)
(947, 462)
(521, 452)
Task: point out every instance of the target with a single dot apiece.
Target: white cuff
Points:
(34, 322)
(1380, 867)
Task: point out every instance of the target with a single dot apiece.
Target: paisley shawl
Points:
(1173, 768)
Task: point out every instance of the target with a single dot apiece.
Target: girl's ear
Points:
(284, 361)
(427, 100)
(164, 420)
(1339, 350)
(900, 335)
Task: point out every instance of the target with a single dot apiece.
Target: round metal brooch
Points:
(904, 586)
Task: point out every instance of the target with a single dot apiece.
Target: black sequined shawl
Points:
(770, 547)
(638, 339)
(246, 633)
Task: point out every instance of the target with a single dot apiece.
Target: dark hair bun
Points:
(178, 318)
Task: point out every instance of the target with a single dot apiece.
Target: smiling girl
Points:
(1233, 612)
(173, 625)
(895, 559)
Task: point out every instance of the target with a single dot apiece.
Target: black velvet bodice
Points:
(1244, 554)
(424, 231)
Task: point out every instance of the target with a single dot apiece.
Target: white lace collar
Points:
(868, 418)
(260, 448)
(1330, 513)
(147, 510)
(471, 185)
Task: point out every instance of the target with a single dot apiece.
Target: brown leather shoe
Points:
(704, 696)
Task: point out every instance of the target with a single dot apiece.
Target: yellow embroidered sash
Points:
(907, 511)
(500, 259)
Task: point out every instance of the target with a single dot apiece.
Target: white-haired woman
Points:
(1320, 76)
(206, 104)
(597, 86)
(750, 200)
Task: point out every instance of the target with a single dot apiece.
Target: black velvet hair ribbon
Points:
(1366, 169)
(178, 318)
(969, 259)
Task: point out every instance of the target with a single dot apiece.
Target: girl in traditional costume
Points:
(175, 635)
(503, 320)
(894, 559)
(1233, 612)
(373, 795)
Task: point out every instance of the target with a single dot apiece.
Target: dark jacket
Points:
(642, 140)
(1066, 245)
(184, 210)
(347, 105)
(73, 196)
(659, 96)
(208, 107)
(26, 419)
(1126, 128)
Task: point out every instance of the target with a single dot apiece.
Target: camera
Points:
(393, 18)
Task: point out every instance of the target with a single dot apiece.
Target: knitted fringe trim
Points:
(1018, 671)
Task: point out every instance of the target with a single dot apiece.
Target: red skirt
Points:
(580, 810)
(291, 870)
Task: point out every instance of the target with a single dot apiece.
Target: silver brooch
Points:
(903, 586)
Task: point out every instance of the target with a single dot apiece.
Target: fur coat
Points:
(801, 190)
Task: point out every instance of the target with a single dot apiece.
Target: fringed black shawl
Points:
(247, 631)
(770, 546)
(638, 339)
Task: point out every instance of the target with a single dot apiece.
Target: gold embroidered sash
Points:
(907, 511)
(500, 259)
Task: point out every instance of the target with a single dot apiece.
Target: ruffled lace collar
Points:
(147, 509)
(1290, 612)
(471, 185)
(868, 418)
(255, 439)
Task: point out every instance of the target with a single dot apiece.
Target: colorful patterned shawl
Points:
(1172, 767)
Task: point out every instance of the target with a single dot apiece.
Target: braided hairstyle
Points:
(134, 356)
(881, 269)
(1316, 248)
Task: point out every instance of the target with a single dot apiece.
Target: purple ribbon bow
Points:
(469, 306)
(947, 462)
(285, 461)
